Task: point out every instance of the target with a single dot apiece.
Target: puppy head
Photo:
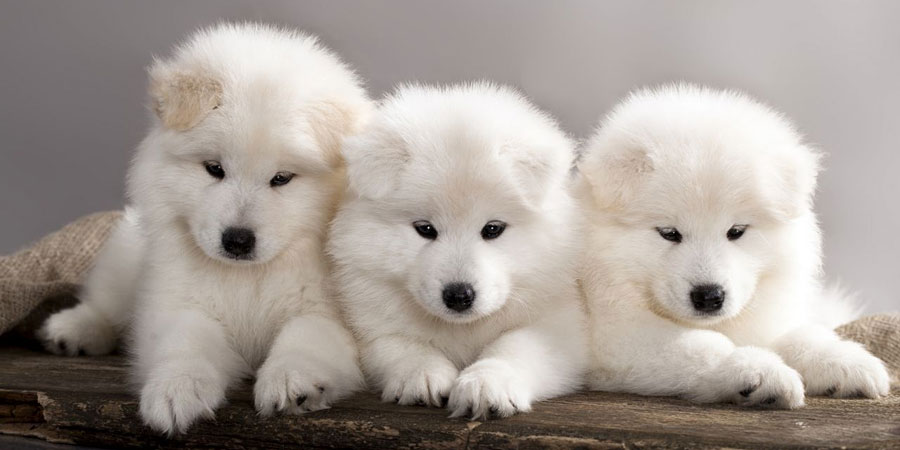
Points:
(453, 186)
(244, 158)
(700, 187)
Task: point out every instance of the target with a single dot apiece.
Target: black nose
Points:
(238, 242)
(708, 297)
(459, 296)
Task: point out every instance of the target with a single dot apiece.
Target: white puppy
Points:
(223, 245)
(703, 256)
(454, 251)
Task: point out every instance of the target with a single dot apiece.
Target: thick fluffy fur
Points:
(702, 161)
(258, 101)
(460, 157)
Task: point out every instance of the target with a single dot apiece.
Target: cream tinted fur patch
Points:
(181, 99)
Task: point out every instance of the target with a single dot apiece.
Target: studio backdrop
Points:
(73, 106)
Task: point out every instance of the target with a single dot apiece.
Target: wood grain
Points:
(87, 401)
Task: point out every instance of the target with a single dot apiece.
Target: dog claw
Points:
(749, 390)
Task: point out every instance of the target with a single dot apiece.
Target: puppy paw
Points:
(425, 381)
(846, 370)
(488, 388)
(296, 386)
(77, 331)
(755, 377)
(175, 396)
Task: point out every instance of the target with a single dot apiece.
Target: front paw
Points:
(846, 370)
(77, 331)
(296, 385)
(488, 388)
(424, 381)
(176, 395)
(754, 377)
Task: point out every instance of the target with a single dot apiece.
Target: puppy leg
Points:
(312, 364)
(832, 366)
(184, 365)
(107, 300)
(409, 372)
(537, 362)
(663, 358)
(750, 376)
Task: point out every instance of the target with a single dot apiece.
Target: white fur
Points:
(94, 325)
(259, 100)
(460, 157)
(702, 161)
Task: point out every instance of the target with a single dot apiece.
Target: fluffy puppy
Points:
(703, 256)
(219, 264)
(453, 251)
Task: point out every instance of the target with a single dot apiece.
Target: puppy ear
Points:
(182, 98)
(794, 189)
(614, 171)
(333, 121)
(537, 169)
(374, 160)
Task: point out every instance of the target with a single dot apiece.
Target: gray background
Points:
(72, 87)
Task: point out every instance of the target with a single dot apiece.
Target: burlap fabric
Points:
(881, 335)
(54, 266)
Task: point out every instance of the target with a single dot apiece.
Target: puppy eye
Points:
(735, 232)
(669, 234)
(493, 229)
(281, 178)
(215, 169)
(425, 229)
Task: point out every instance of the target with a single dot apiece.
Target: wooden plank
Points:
(87, 401)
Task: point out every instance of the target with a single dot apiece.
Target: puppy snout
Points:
(708, 297)
(459, 296)
(238, 242)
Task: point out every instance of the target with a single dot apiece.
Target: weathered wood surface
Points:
(86, 401)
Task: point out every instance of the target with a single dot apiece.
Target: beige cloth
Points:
(54, 266)
(881, 335)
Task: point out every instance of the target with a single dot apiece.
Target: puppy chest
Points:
(463, 345)
(253, 315)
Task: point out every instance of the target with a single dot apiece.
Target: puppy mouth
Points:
(463, 317)
(238, 258)
(448, 315)
(225, 257)
(658, 307)
(708, 315)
